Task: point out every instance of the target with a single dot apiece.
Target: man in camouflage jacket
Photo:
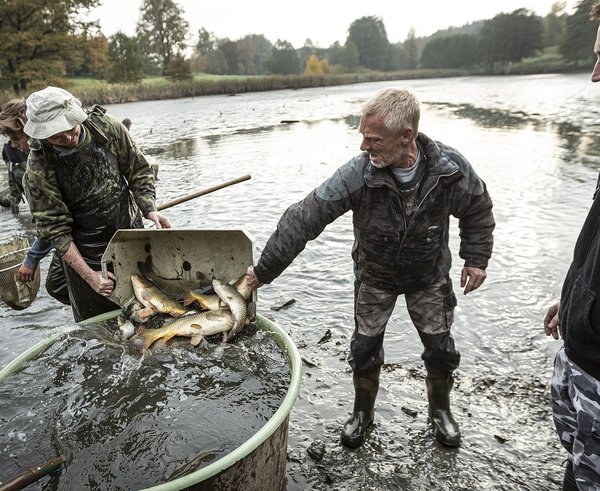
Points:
(85, 179)
(402, 190)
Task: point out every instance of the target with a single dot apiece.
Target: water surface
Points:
(533, 139)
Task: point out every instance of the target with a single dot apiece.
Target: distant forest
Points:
(45, 41)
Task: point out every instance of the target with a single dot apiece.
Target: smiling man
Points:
(85, 179)
(402, 189)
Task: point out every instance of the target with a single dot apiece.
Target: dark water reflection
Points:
(533, 139)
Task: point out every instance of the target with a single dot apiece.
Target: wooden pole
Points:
(31, 475)
(188, 197)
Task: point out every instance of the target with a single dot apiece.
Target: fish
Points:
(126, 327)
(173, 287)
(136, 312)
(214, 302)
(195, 325)
(236, 303)
(151, 297)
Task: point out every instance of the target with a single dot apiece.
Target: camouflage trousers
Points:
(431, 311)
(576, 410)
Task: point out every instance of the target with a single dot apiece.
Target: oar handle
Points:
(31, 475)
(188, 197)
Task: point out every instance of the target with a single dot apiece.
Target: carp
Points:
(193, 325)
(151, 297)
(214, 302)
(236, 303)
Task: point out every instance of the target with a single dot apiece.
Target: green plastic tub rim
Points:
(282, 413)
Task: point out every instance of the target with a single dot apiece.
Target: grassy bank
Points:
(92, 91)
(157, 88)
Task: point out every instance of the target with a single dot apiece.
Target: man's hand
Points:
(473, 278)
(552, 321)
(101, 285)
(251, 279)
(25, 273)
(159, 220)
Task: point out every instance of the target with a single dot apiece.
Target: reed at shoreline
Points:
(91, 91)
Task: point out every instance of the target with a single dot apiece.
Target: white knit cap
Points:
(51, 111)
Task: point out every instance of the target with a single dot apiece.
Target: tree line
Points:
(43, 41)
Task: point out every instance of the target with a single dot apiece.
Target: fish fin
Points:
(147, 343)
(168, 336)
(196, 340)
(146, 313)
(188, 299)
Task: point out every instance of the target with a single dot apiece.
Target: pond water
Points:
(533, 139)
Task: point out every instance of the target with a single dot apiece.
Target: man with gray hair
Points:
(85, 179)
(575, 381)
(402, 189)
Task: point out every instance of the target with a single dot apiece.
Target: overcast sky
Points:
(321, 21)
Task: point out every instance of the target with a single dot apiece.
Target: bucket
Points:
(259, 463)
(17, 295)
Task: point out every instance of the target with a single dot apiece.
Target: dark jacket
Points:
(579, 306)
(390, 253)
(16, 161)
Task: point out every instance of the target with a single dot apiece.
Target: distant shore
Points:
(92, 91)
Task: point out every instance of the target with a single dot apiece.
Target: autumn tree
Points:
(162, 29)
(37, 39)
(93, 60)
(316, 66)
(370, 37)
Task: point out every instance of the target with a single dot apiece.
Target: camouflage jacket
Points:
(391, 252)
(86, 195)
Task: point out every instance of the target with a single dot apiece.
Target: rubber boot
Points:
(569, 483)
(445, 428)
(365, 392)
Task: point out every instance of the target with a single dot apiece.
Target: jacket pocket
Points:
(576, 311)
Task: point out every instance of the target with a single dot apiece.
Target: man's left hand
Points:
(473, 278)
(159, 220)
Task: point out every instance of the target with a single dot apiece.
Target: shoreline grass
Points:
(95, 91)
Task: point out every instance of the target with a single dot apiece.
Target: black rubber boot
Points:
(569, 483)
(445, 428)
(365, 392)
